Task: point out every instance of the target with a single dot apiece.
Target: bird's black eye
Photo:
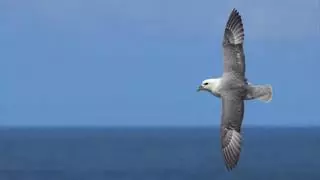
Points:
(205, 84)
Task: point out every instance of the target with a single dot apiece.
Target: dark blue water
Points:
(156, 154)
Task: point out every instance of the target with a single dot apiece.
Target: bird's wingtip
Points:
(235, 10)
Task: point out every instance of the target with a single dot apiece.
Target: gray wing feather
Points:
(231, 121)
(234, 59)
(234, 32)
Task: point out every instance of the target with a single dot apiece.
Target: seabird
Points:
(233, 89)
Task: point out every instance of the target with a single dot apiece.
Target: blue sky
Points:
(124, 62)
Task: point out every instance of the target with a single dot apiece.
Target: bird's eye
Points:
(205, 84)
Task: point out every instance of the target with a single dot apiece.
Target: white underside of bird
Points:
(260, 92)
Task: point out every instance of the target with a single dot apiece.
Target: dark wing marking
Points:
(231, 121)
(234, 32)
(234, 58)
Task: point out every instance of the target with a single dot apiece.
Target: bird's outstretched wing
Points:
(231, 121)
(234, 58)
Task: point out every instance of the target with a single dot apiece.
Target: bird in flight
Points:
(233, 89)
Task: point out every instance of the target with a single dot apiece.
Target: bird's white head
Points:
(211, 85)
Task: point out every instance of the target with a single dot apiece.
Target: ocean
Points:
(156, 154)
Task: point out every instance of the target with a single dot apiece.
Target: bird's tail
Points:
(261, 92)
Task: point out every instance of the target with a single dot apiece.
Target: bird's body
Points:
(233, 89)
(260, 92)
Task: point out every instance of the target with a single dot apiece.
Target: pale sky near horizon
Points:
(123, 62)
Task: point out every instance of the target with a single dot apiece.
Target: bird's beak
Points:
(200, 88)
